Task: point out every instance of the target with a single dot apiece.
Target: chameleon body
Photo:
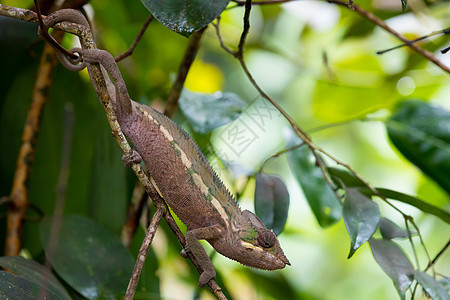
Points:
(184, 178)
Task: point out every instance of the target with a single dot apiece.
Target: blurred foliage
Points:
(318, 61)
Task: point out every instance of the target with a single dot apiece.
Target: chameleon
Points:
(182, 175)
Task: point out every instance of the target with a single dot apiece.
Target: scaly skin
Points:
(187, 182)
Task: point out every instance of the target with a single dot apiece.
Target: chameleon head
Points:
(264, 251)
(254, 245)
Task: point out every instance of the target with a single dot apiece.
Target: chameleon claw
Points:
(183, 253)
(133, 158)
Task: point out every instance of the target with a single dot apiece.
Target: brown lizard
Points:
(183, 176)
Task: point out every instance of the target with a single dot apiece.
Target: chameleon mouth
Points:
(284, 259)
(267, 261)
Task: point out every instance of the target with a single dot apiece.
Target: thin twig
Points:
(134, 213)
(280, 153)
(19, 192)
(188, 59)
(423, 245)
(143, 251)
(245, 31)
(136, 40)
(380, 23)
(219, 35)
(412, 243)
(326, 175)
(443, 31)
(433, 262)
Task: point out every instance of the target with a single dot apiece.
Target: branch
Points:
(19, 193)
(443, 31)
(188, 59)
(431, 263)
(380, 23)
(248, 8)
(143, 251)
(131, 224)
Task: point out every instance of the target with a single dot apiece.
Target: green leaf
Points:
(15, 287)
(208, 111)
(421, 132)
(271, 201)
(345, 177)
(394, 263)
(34, 273)
(389, 230)
(433, 288)
(89, 258)
(404, 3)
(185, 16)
(416, 202)
(321, 198)
(349, 180)
(361, 217)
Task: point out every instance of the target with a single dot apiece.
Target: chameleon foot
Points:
(206, 277)
(133, 158)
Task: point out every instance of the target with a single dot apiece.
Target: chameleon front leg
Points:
(193, 245)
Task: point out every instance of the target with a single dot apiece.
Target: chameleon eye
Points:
(266, 239)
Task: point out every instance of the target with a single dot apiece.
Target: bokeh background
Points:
(318, 60)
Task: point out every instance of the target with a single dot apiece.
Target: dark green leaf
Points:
(185, 16)
(361, 217)
(404, 3)
(345, 177)
(394, 263)
(208, 111)
(321, 198)
(341, 176)
(89, 258)
(416, 202)
(15, 287)
(34, 273)
(107, 193)
(421, 132)
(433, 288)
(18, 40)
(389, 230)
(271, 201)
